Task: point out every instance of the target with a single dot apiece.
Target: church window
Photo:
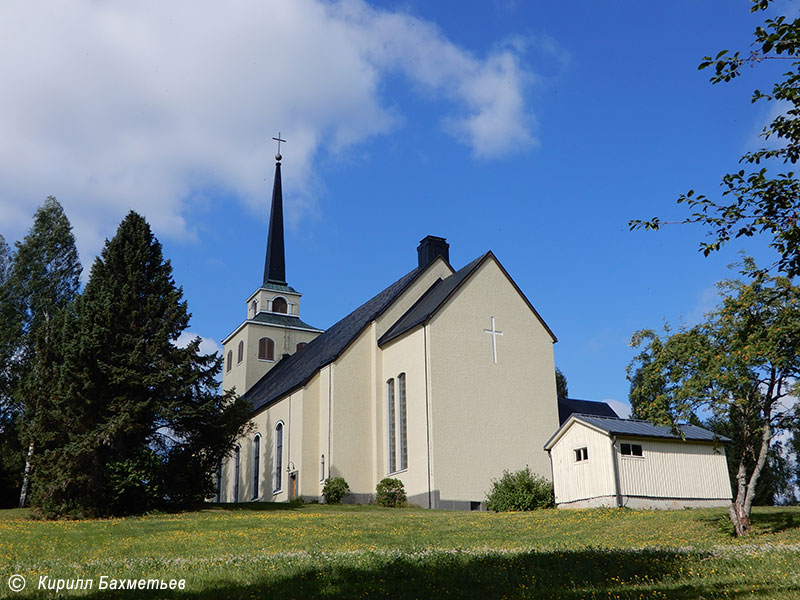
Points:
(391, 425)
(278, 460)
(219, 482)
(237, 452)
(240, 353)
(322, 468)
(229, 362)
(581, 454)
(266, 349)
(403, 419)
(630, 449)
(279, 305)
(256, 463)
(301, 345)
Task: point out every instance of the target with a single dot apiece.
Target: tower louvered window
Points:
(266, 349)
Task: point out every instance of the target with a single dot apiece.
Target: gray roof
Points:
(569, 406)
(296, 370)
(438, 295)
(636, 428)
(430, 302)
(282, 320)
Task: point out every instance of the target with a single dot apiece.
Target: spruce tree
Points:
(144, 421)
(43, 281)
(11, 454)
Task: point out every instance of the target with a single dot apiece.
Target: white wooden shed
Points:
(603, 461)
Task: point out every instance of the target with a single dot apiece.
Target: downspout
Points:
(617, 491)
(552, 477)
(427, 413)
(330, 402)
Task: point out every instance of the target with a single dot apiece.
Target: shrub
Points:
(521, 490)
(391, 493)
(335, 489)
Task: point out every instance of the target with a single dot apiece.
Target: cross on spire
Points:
(279, 140)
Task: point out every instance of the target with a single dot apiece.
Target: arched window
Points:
(254, 307)
(403, 420)
(229, 362)
(240, 354)
(256, 463)
(391, 426)
(277, 469)
(219, 482)
(237, 453)
(279, 305)
(301, 345)
(266, 349)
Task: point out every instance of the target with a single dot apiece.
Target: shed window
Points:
(630, 449)
(266, 349)
(581, 454)
(279, 305)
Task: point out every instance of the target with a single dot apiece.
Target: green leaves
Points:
(737, 366)
(759, 202)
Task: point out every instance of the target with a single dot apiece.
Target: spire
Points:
(275, 263)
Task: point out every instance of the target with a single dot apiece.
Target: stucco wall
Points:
(289, 412)
(406, 355)
(488, 417)
(245, 374)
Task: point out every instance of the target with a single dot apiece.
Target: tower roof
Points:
(275, 262)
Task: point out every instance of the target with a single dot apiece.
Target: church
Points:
(443, 380)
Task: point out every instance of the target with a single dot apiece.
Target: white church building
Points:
(443, 380)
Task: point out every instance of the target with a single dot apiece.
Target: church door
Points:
(292, 485)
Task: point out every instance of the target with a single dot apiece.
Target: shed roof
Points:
(637, 428)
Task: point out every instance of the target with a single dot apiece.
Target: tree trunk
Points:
(740, 517)
(26, 478)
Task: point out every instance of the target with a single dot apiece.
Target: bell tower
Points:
(272, 328)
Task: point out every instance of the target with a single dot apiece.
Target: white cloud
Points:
(207, 345)
(113, 106)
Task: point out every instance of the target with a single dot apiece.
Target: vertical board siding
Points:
(675, 469)
(585, 479)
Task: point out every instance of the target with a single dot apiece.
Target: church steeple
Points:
(275, 263)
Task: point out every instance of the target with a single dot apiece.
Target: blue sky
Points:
(536, 130)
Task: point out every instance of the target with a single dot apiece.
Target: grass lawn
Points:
(276, 551)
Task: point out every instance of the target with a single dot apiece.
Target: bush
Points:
(391, 493)
(521, 490)
(335, 489)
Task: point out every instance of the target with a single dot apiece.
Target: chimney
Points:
(431, 247)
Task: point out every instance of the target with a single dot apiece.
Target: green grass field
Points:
(277, 551)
